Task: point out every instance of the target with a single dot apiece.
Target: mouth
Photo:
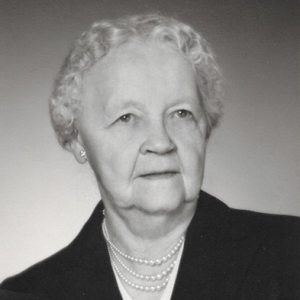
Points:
(159, 175)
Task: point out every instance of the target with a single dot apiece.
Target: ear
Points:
(78, 151)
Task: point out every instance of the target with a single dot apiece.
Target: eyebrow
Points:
(184, 100)
(123, 104)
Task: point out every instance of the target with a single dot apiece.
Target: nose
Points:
(157, 140)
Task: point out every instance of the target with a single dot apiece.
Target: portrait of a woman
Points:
(137, 99)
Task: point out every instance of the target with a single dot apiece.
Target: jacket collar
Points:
(216, 255)
(214, 260)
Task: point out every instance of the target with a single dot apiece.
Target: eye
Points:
(183, 114)
(126, 118)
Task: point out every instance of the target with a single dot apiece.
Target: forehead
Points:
(140, 71)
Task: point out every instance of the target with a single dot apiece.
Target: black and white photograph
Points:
(150, 150)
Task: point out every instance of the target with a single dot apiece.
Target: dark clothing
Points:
(228, 254)
(8, 295)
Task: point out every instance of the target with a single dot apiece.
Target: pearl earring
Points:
(82, 154)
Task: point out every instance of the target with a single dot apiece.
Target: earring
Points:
(82, 154)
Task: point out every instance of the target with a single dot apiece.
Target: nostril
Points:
(157, 139)
(158, 146)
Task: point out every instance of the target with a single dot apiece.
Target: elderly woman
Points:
(137, 99)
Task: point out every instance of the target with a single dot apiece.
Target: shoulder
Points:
(243, 222)
(277, 253)
(280, 227)
(280, 235)
(63, 271)
(9, 295)
(36, 279)
(276, 235)
(264, 249)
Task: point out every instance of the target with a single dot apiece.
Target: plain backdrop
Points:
(253, 159)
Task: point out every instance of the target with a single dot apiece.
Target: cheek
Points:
(193, 169)
(191, 144)
(112, 156)
(192, 157)
(191, 153)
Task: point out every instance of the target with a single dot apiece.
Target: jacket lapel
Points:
(215, 259)
(216, 254)
(96, 279)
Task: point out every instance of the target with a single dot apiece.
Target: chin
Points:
(159, 201)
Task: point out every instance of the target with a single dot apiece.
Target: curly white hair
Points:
(65, 102)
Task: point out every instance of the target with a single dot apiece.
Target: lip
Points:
(159, 175)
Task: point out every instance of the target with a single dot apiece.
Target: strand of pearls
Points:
(151, 262)
(145, 288)
(154, 277)
(163, 276)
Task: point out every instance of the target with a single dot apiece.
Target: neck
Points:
(142, 234)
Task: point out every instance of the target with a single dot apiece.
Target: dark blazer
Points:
(8, 295)
(228, 254)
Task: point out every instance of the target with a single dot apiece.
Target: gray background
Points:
(253, 158)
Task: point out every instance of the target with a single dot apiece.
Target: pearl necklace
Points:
(151, 262)
(146, 288)
(145, 277)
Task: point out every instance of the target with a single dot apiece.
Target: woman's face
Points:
(143, 128)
